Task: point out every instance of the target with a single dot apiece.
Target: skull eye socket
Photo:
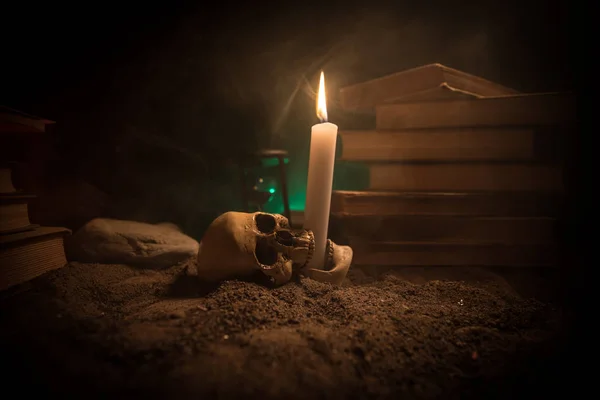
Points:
(265, 253)
(265, 223)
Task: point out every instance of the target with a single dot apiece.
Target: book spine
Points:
(526, 110)
(439, 144)
(466, 177)
(6, 183)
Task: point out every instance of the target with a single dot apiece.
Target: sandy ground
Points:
(111, 330)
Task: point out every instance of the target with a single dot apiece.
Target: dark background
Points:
(151, 101)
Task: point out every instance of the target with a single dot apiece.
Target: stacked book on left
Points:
(27, 250)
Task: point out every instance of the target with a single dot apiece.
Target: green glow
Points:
(273, 161)
(347, 176)
(271, 190)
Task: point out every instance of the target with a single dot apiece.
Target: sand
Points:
(110, 330)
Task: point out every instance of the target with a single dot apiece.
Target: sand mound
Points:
(115, 330)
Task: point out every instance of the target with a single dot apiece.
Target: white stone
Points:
(111, 241)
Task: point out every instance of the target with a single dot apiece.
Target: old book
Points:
(26, 255)
(428, 82)
(6, 183)
(434, 228)
(515, 204)
(514, 110)
(438, 144)
(462, 253)
(441, 92)
(14, 213)
(466, 177)
(14, 121)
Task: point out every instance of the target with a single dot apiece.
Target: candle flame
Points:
(321, 103)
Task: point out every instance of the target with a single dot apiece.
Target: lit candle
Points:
(320, 179)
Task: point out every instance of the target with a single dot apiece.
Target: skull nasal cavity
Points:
(265, 254)
(265, 223)
(285, 238)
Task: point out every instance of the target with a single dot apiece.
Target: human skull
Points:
(337, 262)
(238, 244)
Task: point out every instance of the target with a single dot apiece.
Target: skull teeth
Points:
(329, 263)
(311, 248)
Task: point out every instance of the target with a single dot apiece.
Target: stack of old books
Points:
(27, 250)
(462, 171)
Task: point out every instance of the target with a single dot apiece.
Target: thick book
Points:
(441, 92)
(438, 144)
(14, 213)
(466, 177)
(6, 183)
(537, 109)
(450, 254)
(428, 82)
(14, 121)
(26, 255)
(380, 203)
(433, 228)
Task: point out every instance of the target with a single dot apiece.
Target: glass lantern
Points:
(264, 182)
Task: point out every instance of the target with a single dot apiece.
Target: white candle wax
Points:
(319, 186)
